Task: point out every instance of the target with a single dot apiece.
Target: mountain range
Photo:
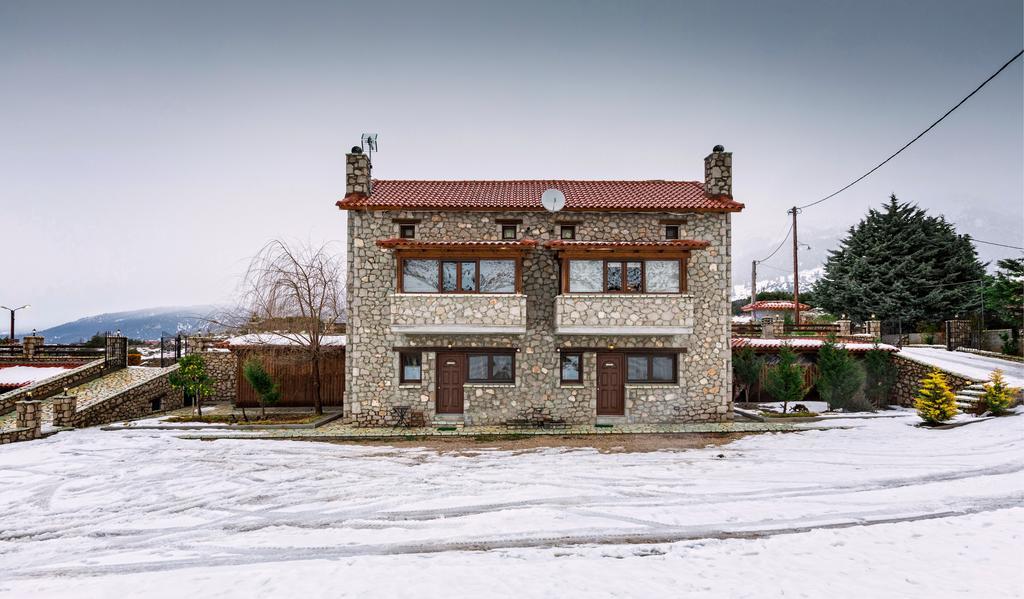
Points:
(147, 324)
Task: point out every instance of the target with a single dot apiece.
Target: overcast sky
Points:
(147, 149)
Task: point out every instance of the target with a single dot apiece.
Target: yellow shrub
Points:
(935, 403)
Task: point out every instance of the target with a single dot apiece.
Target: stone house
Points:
(471, 303)
(774, 309)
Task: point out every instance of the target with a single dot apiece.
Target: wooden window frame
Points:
(562, 229)
(490, 367)
(403, 228)
(442, 257)
(561, 377)
(649, 379)
(401, 366)
(514, 227)
(683, 263)
(672, 227)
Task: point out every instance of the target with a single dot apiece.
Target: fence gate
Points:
(961, 333)
(172, 347)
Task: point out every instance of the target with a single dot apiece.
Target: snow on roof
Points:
(806, 344)
(254, 339)
(772, 305)
(19, 376)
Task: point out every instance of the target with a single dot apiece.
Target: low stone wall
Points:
(222, 366)
(909, 375)
(133, 402)
(55, 384)
(28, 424)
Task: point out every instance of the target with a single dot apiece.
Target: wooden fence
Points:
(294, 374)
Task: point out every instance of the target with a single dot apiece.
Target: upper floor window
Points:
(407, 231)
(468, 275)
(671, 231)
(651, 368)
(567, 232)
(509, 231)
(627, 276)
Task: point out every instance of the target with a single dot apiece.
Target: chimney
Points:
(357, 172)
(718, 172)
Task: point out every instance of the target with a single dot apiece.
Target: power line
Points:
(1002, 245)
(779, 247)
(919, 135)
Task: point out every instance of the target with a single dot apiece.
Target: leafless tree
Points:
(293, 294)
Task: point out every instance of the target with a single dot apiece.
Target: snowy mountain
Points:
(779, 283)
(136, 324)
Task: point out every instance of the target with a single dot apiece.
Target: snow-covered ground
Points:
(881, 509)
(24, 375)
(967, 364)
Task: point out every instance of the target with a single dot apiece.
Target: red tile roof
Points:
(656, 196)
(598, 245)
(397, 242)
(805, 345)
(772, 305)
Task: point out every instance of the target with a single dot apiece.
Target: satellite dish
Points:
(552, 200)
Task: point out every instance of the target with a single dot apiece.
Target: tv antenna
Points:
(368, 142)
(552, 200)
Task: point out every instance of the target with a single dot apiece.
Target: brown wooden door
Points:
(611, 390)
(451, 375)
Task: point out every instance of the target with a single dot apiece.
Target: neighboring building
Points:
(772, 309)
(470, 302)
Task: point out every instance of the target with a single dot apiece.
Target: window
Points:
(407, 231)
(411, 367)
(568, 232)
(671, 231)
(572, 367)
(458, 276)
(626, 276)
(509, 232)
(651, 368)
(491, 368)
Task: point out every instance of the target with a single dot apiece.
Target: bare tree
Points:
(293, 295)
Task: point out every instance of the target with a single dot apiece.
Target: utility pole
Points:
(753, 281)
(796, 272)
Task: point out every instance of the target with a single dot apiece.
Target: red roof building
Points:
(773, 306)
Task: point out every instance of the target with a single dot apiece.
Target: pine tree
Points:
(892, 263)
(785, 380)
(935, 403)
(880, 376)
(840, 378)
(998, 396)
(1004, 293)
(266, 389)
(747, 367)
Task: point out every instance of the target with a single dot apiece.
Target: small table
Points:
(401, 414)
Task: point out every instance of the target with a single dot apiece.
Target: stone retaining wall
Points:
(222, 366)
(28, 425)
(133, 402)
(55, 384)
(909, 375)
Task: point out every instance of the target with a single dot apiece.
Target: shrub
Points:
(192, 379)
(935, 403)
(746, 366)
(785, 380)
(264, 386)
(998, 397)
(1010, 345)
(840, 378)
(880, 376)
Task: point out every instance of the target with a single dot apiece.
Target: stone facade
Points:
(458, 312)
(222, 366)
(668, 314)
(703, 388)
(357, 173)
(718, 172)
(909, 376)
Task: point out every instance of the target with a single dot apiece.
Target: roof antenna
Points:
(368, 142)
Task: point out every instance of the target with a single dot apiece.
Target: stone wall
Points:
(27, 425)
(908, 381)
(667, 313)
(460, 312)
(133, 402)
(55, 384)
(222, 366)
(372, 385)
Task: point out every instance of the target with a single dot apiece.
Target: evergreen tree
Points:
(998, 396)
(898, 262)
(880, 376)
(192, 379)
(785, 380)
(747, 365)
(266, 389)
(840, 378)
(935, 403)
(1004, 293)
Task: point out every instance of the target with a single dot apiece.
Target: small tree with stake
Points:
(192, 379)
(747, 367)
(264, 386)
(785, 380)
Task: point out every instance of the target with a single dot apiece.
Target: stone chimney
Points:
(718, 172)
(357, 172)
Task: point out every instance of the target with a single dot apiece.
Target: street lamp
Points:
(12, 311)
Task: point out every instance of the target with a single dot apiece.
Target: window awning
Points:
(633, 248)
(521, 245)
